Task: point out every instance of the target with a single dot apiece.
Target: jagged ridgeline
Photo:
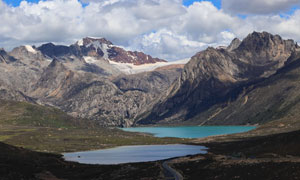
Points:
(250, 82)
(91, 79)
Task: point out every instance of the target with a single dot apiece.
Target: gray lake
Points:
(130, 154)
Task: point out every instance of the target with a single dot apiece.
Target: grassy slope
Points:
(48, 129)
(26, 114)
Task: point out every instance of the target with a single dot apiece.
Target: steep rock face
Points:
(5, 58)
(12, 78)
(20, 73)
(152, 82)
(235, 43)
(273, 98)
(214, 76)
(7, 93)
(109, 103)
(80, 80)
(30, 56)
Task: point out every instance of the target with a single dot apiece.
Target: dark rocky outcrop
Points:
(5, 58)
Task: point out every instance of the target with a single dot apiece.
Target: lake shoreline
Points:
(180, 132)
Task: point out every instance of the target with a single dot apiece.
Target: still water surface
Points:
(126, 154)
(190, 131)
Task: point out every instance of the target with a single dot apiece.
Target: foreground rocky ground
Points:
(267, 157)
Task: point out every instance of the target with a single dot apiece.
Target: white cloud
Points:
(202, 25)
(162, 28)
(203, 22)
(287, 27)
(167, 44)
(258, 6)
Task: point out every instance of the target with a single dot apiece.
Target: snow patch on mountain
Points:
(90, 60)
(30, 49)
(80, 42)
(129, 68)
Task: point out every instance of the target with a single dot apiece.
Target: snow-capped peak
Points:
(89, 40)
(80, 42)
(30, 49)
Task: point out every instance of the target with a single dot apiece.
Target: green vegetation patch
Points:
(77, 139)
(27, 114)
(48, 129)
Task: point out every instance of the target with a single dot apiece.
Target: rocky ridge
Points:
(218, 86)
(80, 80)
(214, 79)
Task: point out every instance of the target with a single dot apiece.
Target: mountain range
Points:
(252, 81)
(89, 79)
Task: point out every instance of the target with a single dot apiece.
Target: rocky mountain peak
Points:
(27, 50)
(261, 48)
(55, 63)
(91, 40)
(52, 50)
(213, 74)
(97, 49)
(235, 43)
(101, 47)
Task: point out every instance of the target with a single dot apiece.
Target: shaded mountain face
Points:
(215, 78)
(5, 58)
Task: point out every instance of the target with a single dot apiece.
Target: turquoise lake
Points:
(190, 131)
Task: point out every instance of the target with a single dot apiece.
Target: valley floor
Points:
(72, 139)
(267, 157)
(275, 156)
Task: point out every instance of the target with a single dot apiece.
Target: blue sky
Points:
(217, 3)
(17, 2)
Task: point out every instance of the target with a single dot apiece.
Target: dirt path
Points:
(176, 174)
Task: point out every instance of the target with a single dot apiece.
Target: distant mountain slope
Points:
(81, 80)
(222, 86)
(28, 114)
(217, 86)
(113, 102)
